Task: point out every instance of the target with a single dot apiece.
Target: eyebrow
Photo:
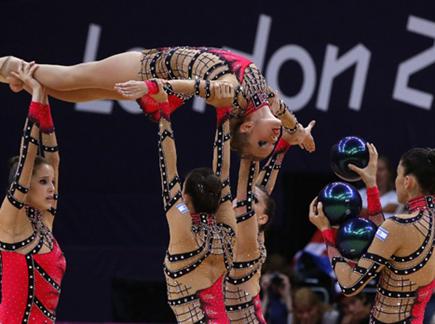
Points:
(44, 177)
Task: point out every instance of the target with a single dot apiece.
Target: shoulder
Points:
(405, 218)
(388, 228)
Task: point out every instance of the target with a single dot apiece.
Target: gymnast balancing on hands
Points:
(31, 262)
(188, 70)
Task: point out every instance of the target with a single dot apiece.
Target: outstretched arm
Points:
(19, 187)
(301, 135)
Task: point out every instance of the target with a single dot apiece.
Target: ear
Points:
(409, 182)
(246, 126)
(262, 219)
(186, 198)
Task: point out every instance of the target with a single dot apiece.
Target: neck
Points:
(256, 114)
(420, 202)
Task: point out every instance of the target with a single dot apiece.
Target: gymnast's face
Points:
(42, 188)
(262, 134)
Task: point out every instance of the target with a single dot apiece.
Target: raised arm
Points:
(368, 176)
(353, 279)
(269, 172)
(177, 213)
(19, 187)
(221, 158)
(49, 148)
(247, 227)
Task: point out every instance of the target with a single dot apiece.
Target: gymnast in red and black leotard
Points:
(255, 107)
(401, 253)
(190, 70)
(31, 262)
(201, 226)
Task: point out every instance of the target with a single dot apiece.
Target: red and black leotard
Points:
(31, 270)
(211, 234)
(406, 279)
(31, 281)
(203, 63)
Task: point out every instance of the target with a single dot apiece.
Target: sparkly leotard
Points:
(31, 270)
(31, 281)
(406, 281)
(214, 241)
(208, 64)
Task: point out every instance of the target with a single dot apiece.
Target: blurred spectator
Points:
(354, 309)
(308, 309)
(276, 301)
(385, 182)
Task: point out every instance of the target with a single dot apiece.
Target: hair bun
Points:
(431, 156)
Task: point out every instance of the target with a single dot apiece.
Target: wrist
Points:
(41, 114)
(292, 130)
(373, 201)
(370, 183)
(152, 87)
(329, 236)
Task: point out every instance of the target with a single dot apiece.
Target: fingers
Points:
(309, 143)
(319, 206)
(374, 149)
(311, 125)
(15, 74)
(32, 68)
(356, 169)
(131, 89)
(222, 90)
(313, 206)
(25, 70)
(373, 153)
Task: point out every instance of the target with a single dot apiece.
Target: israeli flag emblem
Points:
(381, 233)
(182, 208)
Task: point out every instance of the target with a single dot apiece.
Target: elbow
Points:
(349, 293)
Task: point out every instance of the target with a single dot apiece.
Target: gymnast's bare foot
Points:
(7, 65)
(3, 62)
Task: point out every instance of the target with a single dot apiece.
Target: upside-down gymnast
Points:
(253, 213)
(201, 225)
(31, 262)
(192, 70)
(401, 252)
